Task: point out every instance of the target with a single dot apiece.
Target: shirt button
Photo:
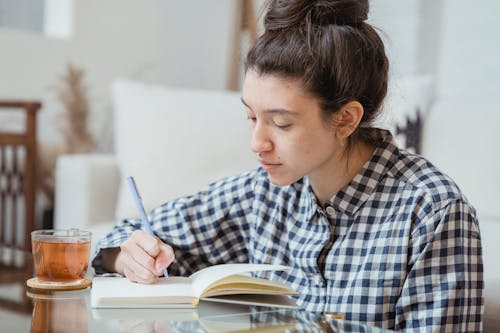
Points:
(318, 279)
(330, 210)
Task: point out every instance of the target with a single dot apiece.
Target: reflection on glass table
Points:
(59, 312)
(71, 312)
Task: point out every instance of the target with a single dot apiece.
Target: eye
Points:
(282, 123)
(283, 127)
(252, 119)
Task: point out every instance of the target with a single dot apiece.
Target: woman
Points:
(370, 230)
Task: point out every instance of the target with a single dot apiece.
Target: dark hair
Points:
(329, 46)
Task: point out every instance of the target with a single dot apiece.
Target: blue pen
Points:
(140, 207)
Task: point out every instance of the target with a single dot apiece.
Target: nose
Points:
(260, 140)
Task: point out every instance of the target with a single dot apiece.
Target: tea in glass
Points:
(60, 256)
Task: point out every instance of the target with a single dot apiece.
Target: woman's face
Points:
(289, 135)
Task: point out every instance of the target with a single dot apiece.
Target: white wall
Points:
(470, 63)
(398, 23)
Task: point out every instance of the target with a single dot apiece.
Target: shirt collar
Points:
(308, 200)
(349, 199)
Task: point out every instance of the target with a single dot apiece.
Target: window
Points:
(52, 18)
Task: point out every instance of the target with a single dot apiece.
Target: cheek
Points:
(317, 147)
(290, 146)
(302, 146)
(300, 150)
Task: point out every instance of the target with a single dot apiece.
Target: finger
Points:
(138, 255)
(164, 258)
(140, 278)
(134, 266)
(150, 244)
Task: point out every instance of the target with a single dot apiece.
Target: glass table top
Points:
(70, 311)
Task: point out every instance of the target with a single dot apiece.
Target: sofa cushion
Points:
(162, 134)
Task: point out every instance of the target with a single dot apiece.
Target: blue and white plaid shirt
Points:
(399, 247)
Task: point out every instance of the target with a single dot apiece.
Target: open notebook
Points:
(219, 283)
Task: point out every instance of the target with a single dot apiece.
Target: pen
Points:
(140, 207)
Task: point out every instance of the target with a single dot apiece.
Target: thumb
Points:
(164, 258)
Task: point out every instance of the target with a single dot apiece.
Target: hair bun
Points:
(285, 14)
(342, 12)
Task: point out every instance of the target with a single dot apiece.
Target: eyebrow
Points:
(276, 111)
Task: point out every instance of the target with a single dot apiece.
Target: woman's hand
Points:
(143, 257)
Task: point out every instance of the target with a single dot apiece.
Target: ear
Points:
(348, 118)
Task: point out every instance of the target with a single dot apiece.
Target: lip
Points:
(268, 166)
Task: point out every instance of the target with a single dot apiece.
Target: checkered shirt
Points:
(399, 247)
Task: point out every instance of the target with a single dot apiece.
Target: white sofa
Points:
(172, 141)
(175, 141)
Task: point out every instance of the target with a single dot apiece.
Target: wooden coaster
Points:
(36, 284)
(50, 295)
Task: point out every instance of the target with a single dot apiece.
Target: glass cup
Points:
(61, 257)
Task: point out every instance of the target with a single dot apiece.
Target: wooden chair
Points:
(17, 200)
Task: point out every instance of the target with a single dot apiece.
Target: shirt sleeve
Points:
(207, 228)
(443, 291)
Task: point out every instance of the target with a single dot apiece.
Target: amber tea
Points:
(60, 256)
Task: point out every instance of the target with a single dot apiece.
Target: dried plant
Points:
(72, 93)
(77, 138)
